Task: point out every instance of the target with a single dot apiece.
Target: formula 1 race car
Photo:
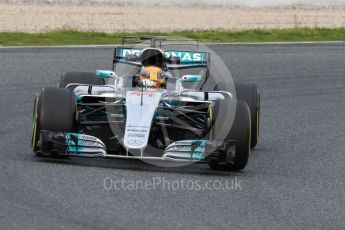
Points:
(148, 112)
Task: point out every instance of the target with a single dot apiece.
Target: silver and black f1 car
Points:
(148, 112)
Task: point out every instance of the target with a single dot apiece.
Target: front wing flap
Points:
(193, 150)
(72, 144)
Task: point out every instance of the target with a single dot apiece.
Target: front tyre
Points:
(55, 111)
(250, 94)
(35, 127)
(238, 133)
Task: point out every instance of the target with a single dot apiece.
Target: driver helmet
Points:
(152, 73)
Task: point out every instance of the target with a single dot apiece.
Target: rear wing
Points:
(187, 59)
(158, 41)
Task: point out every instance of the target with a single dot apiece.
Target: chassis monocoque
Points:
(103, 114)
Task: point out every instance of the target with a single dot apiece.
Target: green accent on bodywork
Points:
(198, 156)
(71, 145)
(191, 78)
(199, 151)
(74, 149)
(79, 98)
(105, 74)
(68, 135)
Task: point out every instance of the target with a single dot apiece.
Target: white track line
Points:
(233, 43)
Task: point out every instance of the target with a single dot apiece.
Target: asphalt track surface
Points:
(294, 180)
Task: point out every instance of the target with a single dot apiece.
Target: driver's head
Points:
(152, 57)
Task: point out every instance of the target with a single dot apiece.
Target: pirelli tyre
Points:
(87, 78)
(54, 110)
(248, 93)
(237, 133)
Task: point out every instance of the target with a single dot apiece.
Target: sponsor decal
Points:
(137, 130)
(83, 143)
(150, 94)
(181, 148)
(137, 126)
(195, 148)
(186, 57)
(137, 93)
(136, 135)
(125, 52)
(80, 136)
(191, 142)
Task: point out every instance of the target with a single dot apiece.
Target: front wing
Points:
(82, 145)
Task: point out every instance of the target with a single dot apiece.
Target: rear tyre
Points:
(87, 78)
(54, 110)
(239, 131)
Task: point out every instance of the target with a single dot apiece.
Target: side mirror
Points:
(191, 78)
(106, 74)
